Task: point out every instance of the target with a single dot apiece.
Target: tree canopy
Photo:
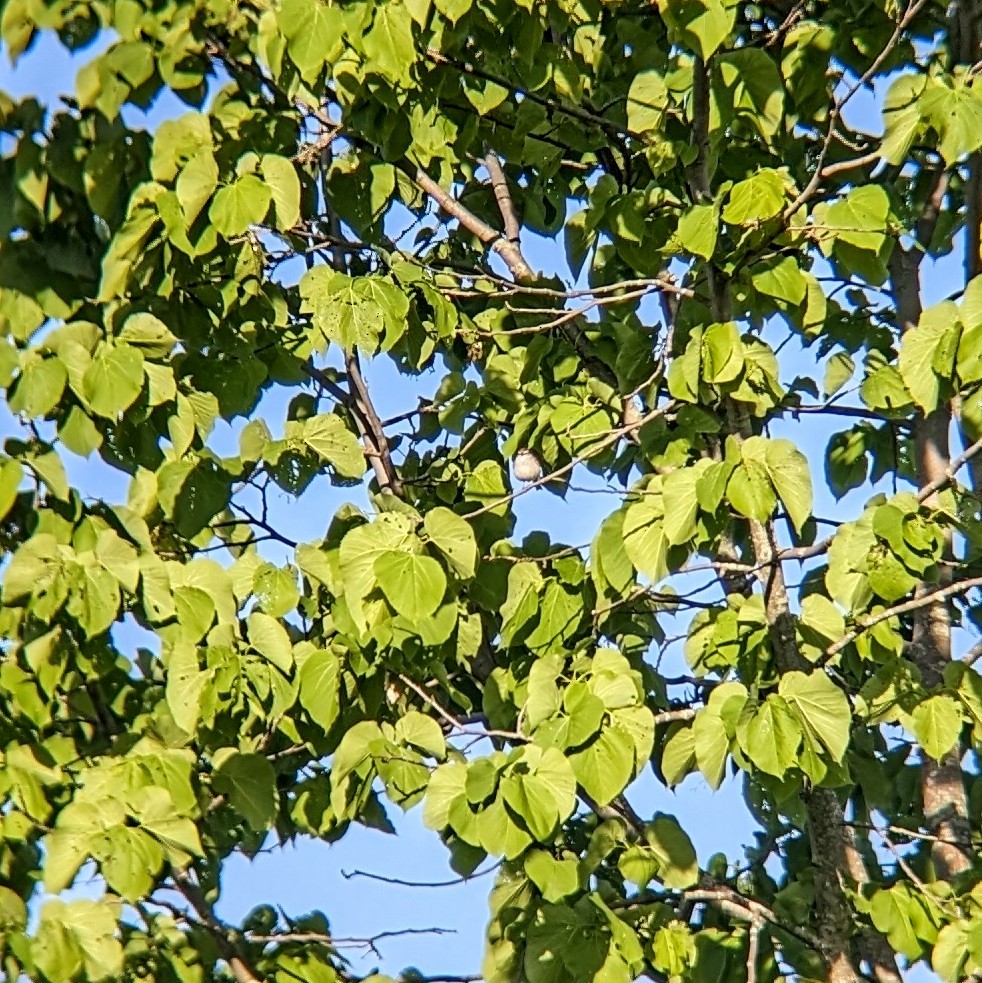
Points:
(753, 201)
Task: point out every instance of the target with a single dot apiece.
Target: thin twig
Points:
(949, 475)
(836, 114)
(426, 697)
(488, 236)
(502, 194)
(925, 600)
(221, 933)
(400, 882)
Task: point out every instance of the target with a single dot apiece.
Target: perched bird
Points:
(631, 415)
(526, 465)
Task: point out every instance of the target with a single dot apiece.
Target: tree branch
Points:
(223, 935)
(426, 697)
(502, 194)
(835, 115)
(916, 604)
(372, 431)
(488, 236)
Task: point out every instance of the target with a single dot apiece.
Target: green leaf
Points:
(893, 913)
(770, 736)
(78, 935)
(681, 505)
(414, 585)
(454, 538)
(750, 492)
(647, 100)
(50, 469)
(903, 121)
(678, 758)
(666, 852)
(281, 178)
(955, 111)
(710, 745)
(313, 31)
(132, 862)
(149, 334)
(697, 230)
(329, 438)
(119, 558)
(679, 867)
(555, 879)
(822, 708)
(275, 589)
(950, 952)
(113, 380)
(722, 353)
(644, 538)
(780, 278)
(756, 199)
(611, 564)
(639, 865)
(240, 205)
(790, 475)
(11, 475)
(359, 550)
(838, 372)
(185, 684)
(859, 219)
(447, 785)
(918, 349)
(560, 612)
(453, 10)
(270, 639)
(423, 733)
(389, 45)
(320, 687)
(748, 89)
(196, 184)
(544, 792)
(342, 311)
(937, 724)
(39, 387)
(250, 784)
(699, 25)
(605, 766)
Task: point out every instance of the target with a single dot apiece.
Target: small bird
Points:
(631, 414)
(526, 465)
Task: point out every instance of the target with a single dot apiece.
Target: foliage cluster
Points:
(697, 154)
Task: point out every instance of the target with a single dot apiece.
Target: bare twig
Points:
(368, 943)
(734, 904)
(401, 882)
(951, 471)
(915, 604)
(973, 654)
(753, 948)
(373, 432)
(671, 716)
(502, 194)
(428, 698)
(223, 935)
(488, 236)
(835, 115)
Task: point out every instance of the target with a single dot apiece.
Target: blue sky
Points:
(309, 875)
